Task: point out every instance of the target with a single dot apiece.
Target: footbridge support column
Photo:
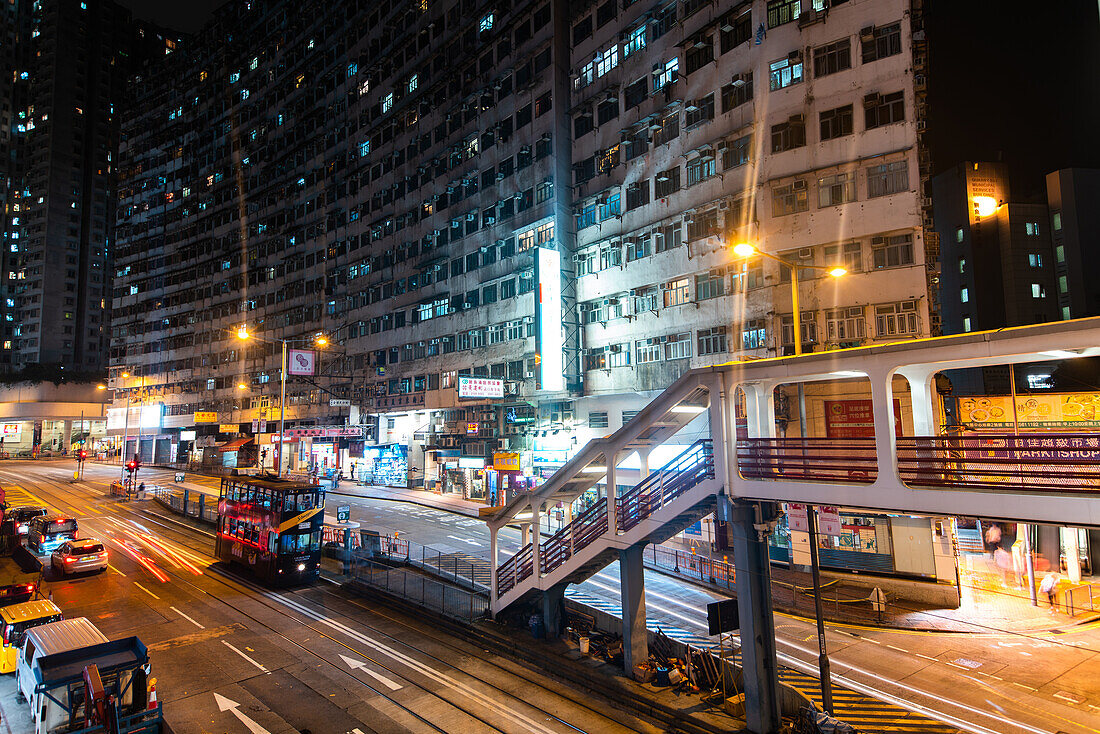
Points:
(750, 524)
(632, 583)
(553, 610)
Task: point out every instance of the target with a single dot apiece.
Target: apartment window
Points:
(888, 178)
(883, 109)
(636, 93)
(544, 233)
(844, 324)
(607, 60)
(711, 284)
(737, 92)
(712, 341)
(582, 30)
(678, 346)
(638, 247)
(1038, 291)
(583, 124)
(607, 160)
(701, 168)
(962, 265)
(699, 53)
(966, 323)
(964, 295)
(737, 152)
(489, 294)
(637, 194)
(1060, 253)
(1031, 228)
(892, 251)
(833, 57)
(586, 262)
(702, 224)
(735, 31)
(666, 74)
(1056, 220)
(785, 72)
(665, 19)
(648, 350)
(645, 299)
(607, 111)
(790, 199)
(836, 123)
(1035, 260)
(544, 191)
(848, 256)
(789, 135)
(387, 103)
(881, 42)
(612, 207)
(807, 325)
(486, 23)
(666, 183)
(670, 128)
(896, 319)
(783, 11)
(1063, 284)
(668, 237)
(699, 111)
(839, 188)
(676, 292)
(753, 334)
(611, 255)
(612, 355)
(597, 420)
(635, 41)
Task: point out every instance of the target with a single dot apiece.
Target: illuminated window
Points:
(387, 103)
(414, 80)
(486, 23)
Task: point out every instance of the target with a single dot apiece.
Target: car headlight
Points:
(301, 567)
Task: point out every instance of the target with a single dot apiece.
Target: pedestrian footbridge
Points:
(740, 466)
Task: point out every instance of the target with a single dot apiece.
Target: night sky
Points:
(1013, 81)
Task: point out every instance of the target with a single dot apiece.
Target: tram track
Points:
(183, 535)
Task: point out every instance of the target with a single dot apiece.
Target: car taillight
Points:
(7, 636)
(103, 555)
(69, 559)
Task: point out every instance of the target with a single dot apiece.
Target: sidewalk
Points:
(987, 605)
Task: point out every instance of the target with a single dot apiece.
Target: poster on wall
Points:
(828, 521)
(855, 418)
(797, 517)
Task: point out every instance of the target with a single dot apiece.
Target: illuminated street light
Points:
(101, 386)
(745, 250)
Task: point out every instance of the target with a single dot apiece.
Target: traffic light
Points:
(136, 461)
(131, 466)
(81, 455)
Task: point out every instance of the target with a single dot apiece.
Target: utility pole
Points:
(823, 655)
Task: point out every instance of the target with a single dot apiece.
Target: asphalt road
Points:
(898, 681)
(230, 656)
(989, 683)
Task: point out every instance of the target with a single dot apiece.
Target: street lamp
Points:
(745, 250)
(319, 339)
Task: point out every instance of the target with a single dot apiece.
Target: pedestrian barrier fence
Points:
(1078, 599)
(414, 587)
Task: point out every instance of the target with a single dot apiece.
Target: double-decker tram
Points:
(272, 527)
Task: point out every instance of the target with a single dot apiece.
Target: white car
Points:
(78, 556)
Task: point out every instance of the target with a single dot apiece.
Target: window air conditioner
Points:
(805, 252)
(799, 118)
(699, 44)
(654, 126)
(794, 56)
(726, 27)
(871, 99)
(737, 81)
(867, 32)
(529, 375)
(690, 106)
(500, 176)
(799, 185)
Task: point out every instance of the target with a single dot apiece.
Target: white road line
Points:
(927, 657)
(265, 670)
(120, 573)
(146, 590)
(899, 649)
(200, 626)
(487, 701)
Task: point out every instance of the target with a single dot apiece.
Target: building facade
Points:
(64, 65)
(514, 222)
(997, 264)
(1075, 237)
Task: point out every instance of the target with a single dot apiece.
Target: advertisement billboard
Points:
(206, 417)
(548, 320)
(480, 387)
(300, 362)
(1051, 410)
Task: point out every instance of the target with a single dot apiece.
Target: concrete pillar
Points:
(754, 606)
(536, 540)
(494, 562)
(643, 463)
(66, 436)
(632, 585)
(922, 392)
(525, 534)
(553, 610)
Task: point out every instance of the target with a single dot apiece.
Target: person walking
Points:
(1049, 586)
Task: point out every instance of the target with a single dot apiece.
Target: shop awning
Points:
(234, 445)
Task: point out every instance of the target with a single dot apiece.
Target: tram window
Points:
(305, 502)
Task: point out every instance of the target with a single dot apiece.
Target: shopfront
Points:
(387, 465)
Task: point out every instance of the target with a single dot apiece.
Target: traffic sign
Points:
(343, 513)
(179, 476)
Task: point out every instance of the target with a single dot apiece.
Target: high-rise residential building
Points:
(1072, 194)
(996, 260)
(514, 221)
(64, 65)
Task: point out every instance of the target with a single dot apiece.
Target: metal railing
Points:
(1078, 599)
(693, 466)
(847, 460)
(421, 590)
(661, 487)
(1064, 462)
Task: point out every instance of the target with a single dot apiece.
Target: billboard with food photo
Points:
(1073, 411)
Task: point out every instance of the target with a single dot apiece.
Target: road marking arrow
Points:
(465, 540)
(225, 704)
(360, 665)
